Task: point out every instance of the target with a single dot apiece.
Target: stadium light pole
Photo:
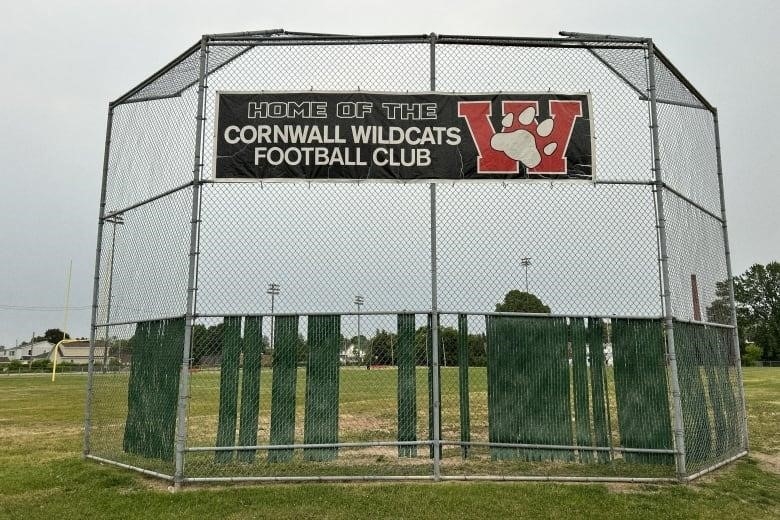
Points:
(359, 302)
(525, 262)
(273, 290)
(114, 220)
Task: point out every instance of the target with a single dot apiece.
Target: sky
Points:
(62, 62)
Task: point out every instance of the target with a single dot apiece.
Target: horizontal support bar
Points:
(603, 37)
(706, 324)
(171, 191)
(323, 478)
(624, 182)
(271, 447)
(555, 447)
(557, 478)
(128, 466)
(545, 315)
(133, 322)
(720, 464)
(303, 313)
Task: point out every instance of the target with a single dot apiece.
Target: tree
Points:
(382, 347)
(51, 335)
(757, 296)
(519, 301)
(55, 336)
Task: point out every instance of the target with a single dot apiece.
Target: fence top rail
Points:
(283, 37)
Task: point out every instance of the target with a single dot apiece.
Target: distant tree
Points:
(51, 335)
(757, 296)
(382, 347)
(519, 301)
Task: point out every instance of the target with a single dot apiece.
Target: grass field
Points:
(43, 476)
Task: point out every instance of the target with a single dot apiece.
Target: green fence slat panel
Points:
(431, 396)
(463, 381)
(644, 417)
(598, 385)
(228, 387)
(407, 385)
(153, 389)
(148, 396)
(528, 386)
(578, 338)
(730, 398)
(283, 387)
(132, 442)
(722, 400)
(250, 386)
(321, 422)
(168, 369)
(553, 353)
(690, 340)
(498, 342)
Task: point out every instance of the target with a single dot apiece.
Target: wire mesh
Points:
(311, 350)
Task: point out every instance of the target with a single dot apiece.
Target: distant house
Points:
(77, 352)
(28, 351)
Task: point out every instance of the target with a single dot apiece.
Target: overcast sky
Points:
(62, 62)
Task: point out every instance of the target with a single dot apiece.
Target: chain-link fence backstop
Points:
(318, 330)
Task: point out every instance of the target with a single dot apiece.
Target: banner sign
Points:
(381, 136)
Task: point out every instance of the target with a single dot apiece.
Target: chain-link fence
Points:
(319, 330)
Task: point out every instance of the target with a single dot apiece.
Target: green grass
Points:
(43, 476)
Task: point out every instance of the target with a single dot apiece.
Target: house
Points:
(28, 351)
(77, 352)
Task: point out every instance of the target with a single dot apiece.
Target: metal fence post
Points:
(732, 301)
(184, 376)
(677, 418)
(434, 364)
(96, 287)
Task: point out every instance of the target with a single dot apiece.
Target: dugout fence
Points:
(346, 328)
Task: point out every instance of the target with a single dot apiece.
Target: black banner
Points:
(366, 135)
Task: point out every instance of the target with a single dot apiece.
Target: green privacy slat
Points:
(641, 389)
(250, 386)
(528, 386)
(463, 381)
(722, 400)
(598, 384)
(321, 423)
(167, 388)
(148, 397)
(730, 398)
(431, 396)
(131, 442)
(501, 349)
(153, 389)
(692, 349)
(228, 387)
(407, 385)
(283, 386)
(578, 338)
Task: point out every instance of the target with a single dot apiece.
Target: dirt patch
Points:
(768, 462)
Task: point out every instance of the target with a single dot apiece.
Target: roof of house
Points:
(78, 349)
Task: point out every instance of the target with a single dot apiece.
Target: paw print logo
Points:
(520, 144)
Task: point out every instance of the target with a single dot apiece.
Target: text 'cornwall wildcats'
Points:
(380, 136)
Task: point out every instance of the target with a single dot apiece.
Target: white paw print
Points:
(520, 144)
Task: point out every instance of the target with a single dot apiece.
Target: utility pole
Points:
(525, 262)
(273, 290)
(114, 220)
(359, 301)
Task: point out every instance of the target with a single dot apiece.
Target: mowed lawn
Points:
(42, 475)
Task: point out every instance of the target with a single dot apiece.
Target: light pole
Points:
(114, 220)
(359, 301)
(525, 262)
(273, 290)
